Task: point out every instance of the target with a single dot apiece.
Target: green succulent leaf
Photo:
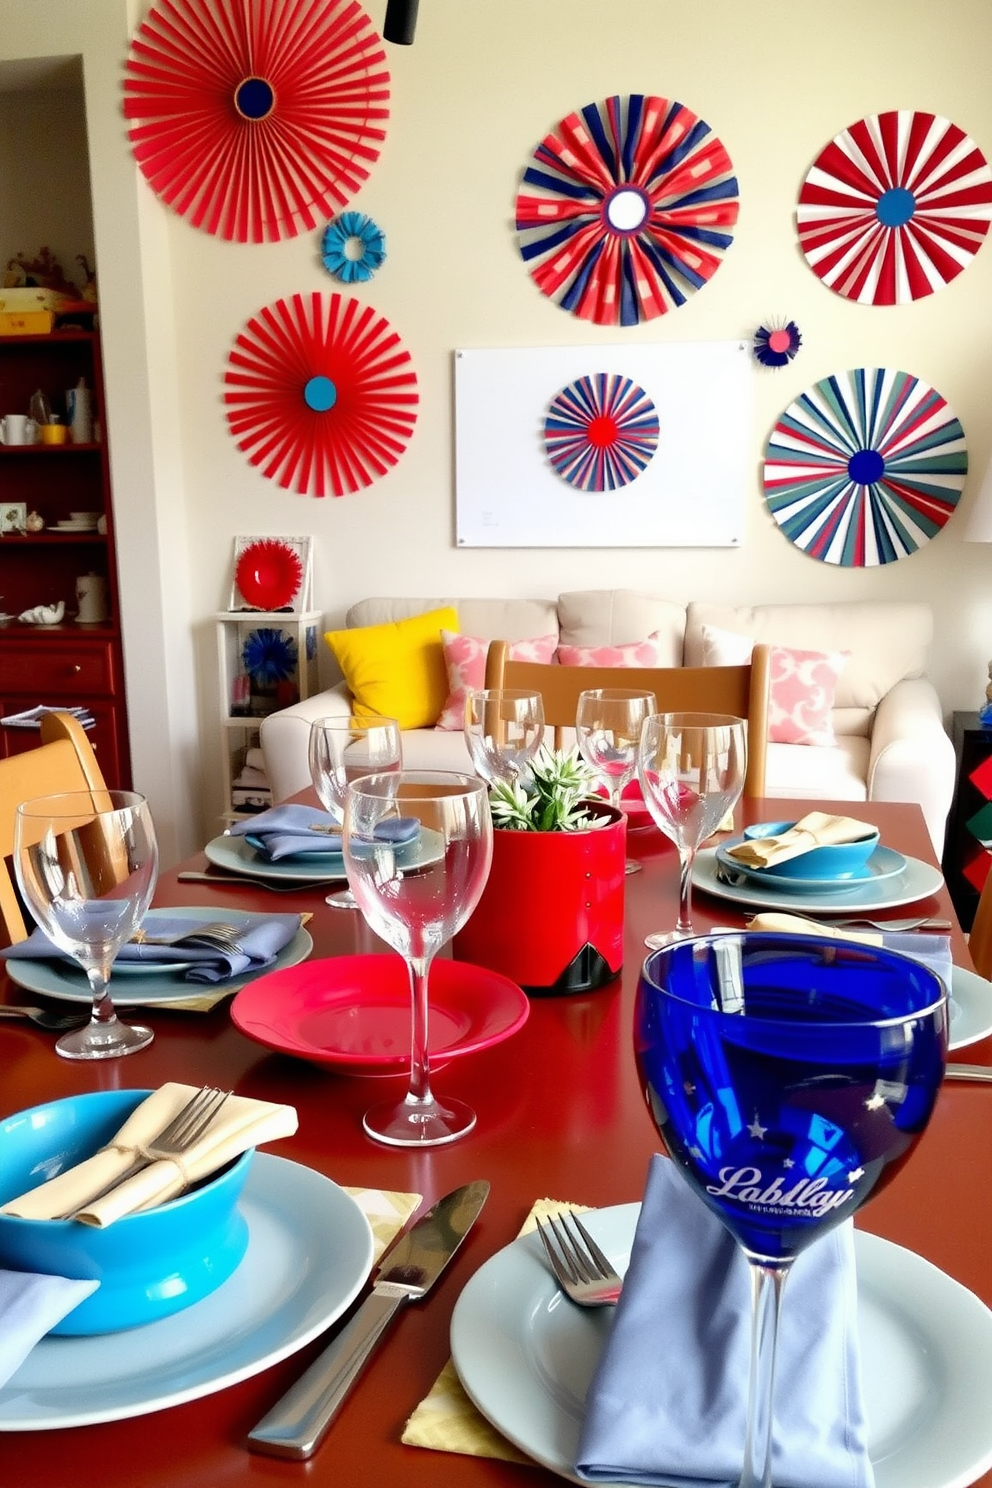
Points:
(551, 798)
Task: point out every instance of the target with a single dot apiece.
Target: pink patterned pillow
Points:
(465, 658)
(803, 684)
(635, 654)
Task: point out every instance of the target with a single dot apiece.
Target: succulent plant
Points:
(552, 797)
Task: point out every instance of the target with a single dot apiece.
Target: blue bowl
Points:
(838, 860)
(148, 1265)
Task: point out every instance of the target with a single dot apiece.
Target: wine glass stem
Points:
(686, 859)
(767, 1285)
(420, 1088)
(103, 1007)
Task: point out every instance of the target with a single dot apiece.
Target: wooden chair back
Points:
(980, 937)
(63, 761)
(740, 690)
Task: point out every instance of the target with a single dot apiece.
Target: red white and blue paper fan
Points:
(601, 432)
(255, 121)
(895, 207)
(321, 394)
(626, 209)
(865, 467)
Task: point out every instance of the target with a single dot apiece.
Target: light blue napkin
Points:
(667, 1403)
(30, 1306)
(260, 938)
(287, 831)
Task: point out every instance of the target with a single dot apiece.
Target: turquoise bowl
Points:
(148, 1265)
(837, 860)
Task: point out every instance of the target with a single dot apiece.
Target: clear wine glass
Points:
(608, 723)
(86, 864)
(691, 769)
(342, 749)
(416, 901)
(504, 728)
(789, 1077)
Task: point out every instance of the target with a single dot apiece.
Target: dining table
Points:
(560, 1115)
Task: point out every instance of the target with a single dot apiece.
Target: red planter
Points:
(551, 914)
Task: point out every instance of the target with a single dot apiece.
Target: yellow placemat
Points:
(446, 1420)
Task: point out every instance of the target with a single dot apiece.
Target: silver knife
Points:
(979, 1072)
(296, 1424)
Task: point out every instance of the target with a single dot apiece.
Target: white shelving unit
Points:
(245, 700)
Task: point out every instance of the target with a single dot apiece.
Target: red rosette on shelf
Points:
(256, 122)
(269, 574)
(321, 394)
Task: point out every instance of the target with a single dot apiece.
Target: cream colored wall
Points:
(44, 177)
(481, 85)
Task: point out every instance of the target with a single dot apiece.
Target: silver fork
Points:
(581, 1269)
(175, 1139)
(212, 932)
(51, 1022)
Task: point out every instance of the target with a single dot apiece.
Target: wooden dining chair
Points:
(63, 761)
(740, 690)
(980, 936)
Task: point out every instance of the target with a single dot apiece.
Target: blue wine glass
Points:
(789, 1076)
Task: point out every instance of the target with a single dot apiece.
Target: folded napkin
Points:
(818, 829)
(239, 1124)
(932, 950)
(30, 1306)
(667, 1402)
(292, 831)
(260, 938)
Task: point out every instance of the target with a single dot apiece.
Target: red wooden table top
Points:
(560, 1114)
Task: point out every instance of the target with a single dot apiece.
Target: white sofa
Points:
(890, 740)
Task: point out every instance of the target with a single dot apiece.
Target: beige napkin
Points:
(790, 924)
(446, 1420)
(817, 829)
(387, 1213)
(239, 1124)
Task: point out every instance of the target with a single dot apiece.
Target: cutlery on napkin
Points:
(817, 829)
(295, 831)
(932, 950)
(668, 1407)
(240, 1124)
(260, 938)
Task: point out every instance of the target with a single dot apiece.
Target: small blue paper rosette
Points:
(269, 656)
(353, 248)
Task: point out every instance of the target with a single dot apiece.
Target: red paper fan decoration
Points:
(269, 574)
(321, 394)
(256, 121)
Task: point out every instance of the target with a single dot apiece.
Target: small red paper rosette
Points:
(321, 394)
(269, 574)
(865, 467)
(895, 207)
(601, 432)
(256, 121)
(626, 209)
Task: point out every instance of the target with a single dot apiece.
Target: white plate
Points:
(884, 862)
(917, 881)
(159, 984)
(971, 1008)
(309, 1253)
(525, 1356)
(237, 855)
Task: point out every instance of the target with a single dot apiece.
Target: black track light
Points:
(401, 21)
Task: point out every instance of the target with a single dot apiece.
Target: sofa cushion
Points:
(615, 617)
(827, 774)
(465, 661)
(887, 640)
(647, 653)
(396, 669)
(510, 619)
(802, 685)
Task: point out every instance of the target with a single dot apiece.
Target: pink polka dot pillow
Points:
(635, 654)
(465, 659)
(803, 685)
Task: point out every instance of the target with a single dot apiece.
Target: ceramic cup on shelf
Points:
(17, 428)
(91, 598)
(53, 433)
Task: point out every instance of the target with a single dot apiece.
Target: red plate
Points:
(352, 1013)
(269, 574)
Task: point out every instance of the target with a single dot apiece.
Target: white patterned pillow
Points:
(465, 659)
(803, 685)
(633, 654)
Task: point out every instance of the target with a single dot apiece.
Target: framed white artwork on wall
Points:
(646, 445)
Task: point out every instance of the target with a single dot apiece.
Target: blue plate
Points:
(884, 863)
(832, 861)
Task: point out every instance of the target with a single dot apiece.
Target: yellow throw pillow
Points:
(397, 670)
